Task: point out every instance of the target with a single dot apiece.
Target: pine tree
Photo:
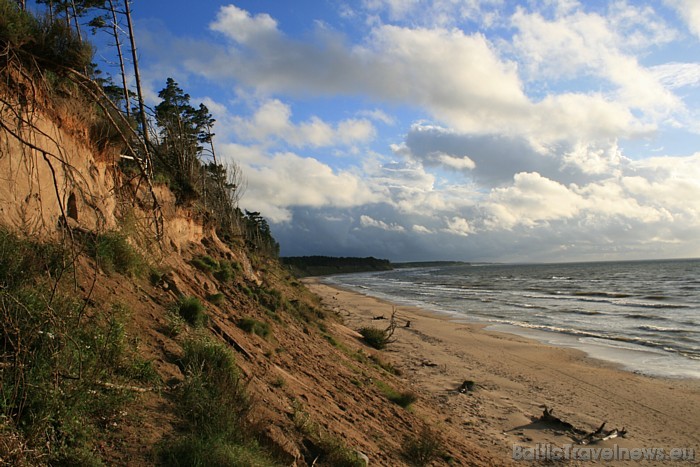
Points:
(182, 130)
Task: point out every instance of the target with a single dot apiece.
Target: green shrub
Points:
(403, 399)
(53, 44)
(225, 272)
(16, 27)
(114, 254)
(421, 450)
(154, 276)
(213, 404)
(278, 382)
(269, 298)
(53, 385)
(57, 45)
(221, 270)
(254, 326)
(174, 324)
(23, 260)
(213, 400)
(195, 450)
(192, 311)
(205, 263)
(374, 337)
(325, 448)
(216, 298)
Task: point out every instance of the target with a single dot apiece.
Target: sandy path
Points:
(515, 377)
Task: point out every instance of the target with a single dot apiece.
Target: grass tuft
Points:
(213, 399)
(216, 298)
(403, 398)
(114, 254)
(225, 272)
(374, 337)
(195, 450)
(424, 448)
(214, 405)
(254, 326)
(192, 311)
(205, 263)
(325, 448)
(23, 260)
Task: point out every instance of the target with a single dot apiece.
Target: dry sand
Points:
(516, 377)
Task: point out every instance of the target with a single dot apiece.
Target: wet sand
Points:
(516, 377)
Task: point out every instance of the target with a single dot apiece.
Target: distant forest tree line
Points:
(302, 266)
(171, 143)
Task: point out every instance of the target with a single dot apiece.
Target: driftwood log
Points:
(464, 388)
(601, 435)
(581, 436)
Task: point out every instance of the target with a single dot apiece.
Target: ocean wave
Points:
(640, 311)
(527, 306)
(645, 317)
(610, 338)
(584, 312)
(602, 294)
(549, 328)
(653, 305)
(664, 329)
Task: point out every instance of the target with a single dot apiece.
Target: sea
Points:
(642, 315)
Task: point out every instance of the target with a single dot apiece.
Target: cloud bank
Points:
(477, 130)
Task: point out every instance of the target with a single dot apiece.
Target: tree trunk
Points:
(115, 32)
(75, 19)
(137, 78)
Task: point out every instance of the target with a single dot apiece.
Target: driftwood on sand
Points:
(466, 387)
(581, 436)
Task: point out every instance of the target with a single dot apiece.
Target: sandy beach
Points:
(515, 378)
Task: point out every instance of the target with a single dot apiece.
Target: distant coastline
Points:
(428, 264)
(307, 266)
(310, 266)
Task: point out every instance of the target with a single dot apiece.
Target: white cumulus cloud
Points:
(243, 27)
(367, 221)
(689, 11)
(273, 121)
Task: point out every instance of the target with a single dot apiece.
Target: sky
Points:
(474, 130)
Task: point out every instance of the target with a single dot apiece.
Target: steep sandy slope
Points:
(315, 386)
(303, 385)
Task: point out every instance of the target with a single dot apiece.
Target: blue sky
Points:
(478, 130)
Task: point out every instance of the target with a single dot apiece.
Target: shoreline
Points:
(631, 357)
(516, 377)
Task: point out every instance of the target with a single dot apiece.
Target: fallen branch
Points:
(548, 417)
(586, 438)
(231, 341)
(123, 387)
(601, 435)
